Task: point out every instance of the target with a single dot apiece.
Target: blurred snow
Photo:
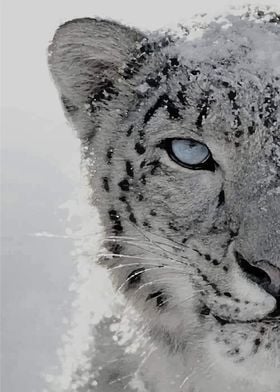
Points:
(40, 178)
(36, 269)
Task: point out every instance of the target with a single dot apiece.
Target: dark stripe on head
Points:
(163, 101)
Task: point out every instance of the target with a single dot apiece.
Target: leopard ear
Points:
(88, 55)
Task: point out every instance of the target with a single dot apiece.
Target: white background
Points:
(40, 172)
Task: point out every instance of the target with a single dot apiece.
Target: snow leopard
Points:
(180, 133)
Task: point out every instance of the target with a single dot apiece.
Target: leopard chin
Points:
(180, 138)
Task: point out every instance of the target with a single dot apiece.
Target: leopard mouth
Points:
(271, 318)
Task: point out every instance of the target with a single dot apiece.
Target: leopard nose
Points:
(263, 273)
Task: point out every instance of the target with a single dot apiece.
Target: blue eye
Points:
(189, 153)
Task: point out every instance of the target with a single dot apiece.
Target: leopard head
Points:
(181, 137)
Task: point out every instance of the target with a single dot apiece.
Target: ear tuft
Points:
(87, 55)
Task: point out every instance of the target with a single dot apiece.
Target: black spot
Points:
(106, 91)
(182, 98)
(115, 218)
(232, 95)
(207, 257)
(239, 132)
(173, 110)
(257, 342)
(221, 198)
(140, 197)
(68, 106)
(262, 331)
(155, 164)
(129, 131)
(160, 298)
(172, 226)
(106, 184)
(252, 128)
(203, 107)
(115, 248)
(143, 179)
(137, 59)
(275, 19)
(147, 224)
(153, 213)
(124, 185)
(132, 218)
(204, 311)
(174, 62)
(129, 169)
(109, 155)
(135, 276)
(123, 199)
(140, 148)
(214, 286)
(225, 268)
(227, 294)
(215, 262)
(268, 110)
(113, 214)
(166, 69)
(142, 164)
(153, 82)
(237, 123)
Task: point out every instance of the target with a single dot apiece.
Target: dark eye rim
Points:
(208, 164)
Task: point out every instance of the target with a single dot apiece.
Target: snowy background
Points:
(40, 178)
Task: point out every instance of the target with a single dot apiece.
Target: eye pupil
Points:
(188, 152)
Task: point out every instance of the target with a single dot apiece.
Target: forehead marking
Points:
(163, 102)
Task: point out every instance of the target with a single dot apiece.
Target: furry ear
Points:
(86, 56)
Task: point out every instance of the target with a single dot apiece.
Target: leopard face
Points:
(181, 139)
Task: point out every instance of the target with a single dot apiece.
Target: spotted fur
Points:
(189, 241)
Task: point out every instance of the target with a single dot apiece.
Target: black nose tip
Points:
(263, 273)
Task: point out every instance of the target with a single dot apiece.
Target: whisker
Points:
(120, 379)
(142, 363)
(180, 302)
(139, 257)
(156, 245)
(129, 278)
(137, 264)
(140, 243)
(123, 256)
